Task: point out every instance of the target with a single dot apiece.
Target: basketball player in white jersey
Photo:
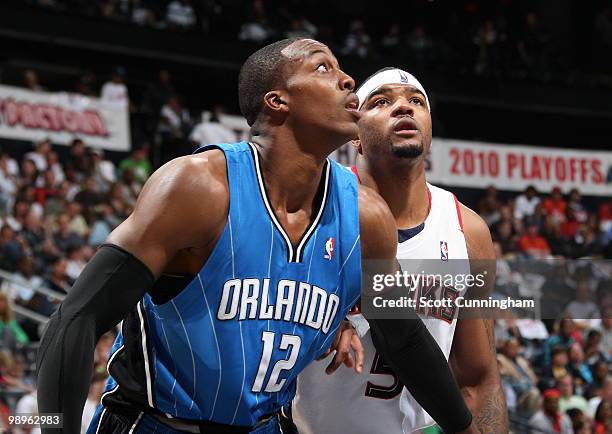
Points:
(394, 138)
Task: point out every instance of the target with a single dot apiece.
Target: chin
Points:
(408, 150)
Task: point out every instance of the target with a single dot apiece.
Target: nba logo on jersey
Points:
(444, 250)
(329, 248)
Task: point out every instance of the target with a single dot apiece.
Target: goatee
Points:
(407, 151)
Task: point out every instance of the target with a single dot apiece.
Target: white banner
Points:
(476, 164)
(28, 115)
(508, 167)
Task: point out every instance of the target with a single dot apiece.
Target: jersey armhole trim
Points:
(458, 208)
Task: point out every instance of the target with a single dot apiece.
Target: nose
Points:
(346, 81)
(402, 107)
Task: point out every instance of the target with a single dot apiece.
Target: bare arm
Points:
(167, 220)
(473, 356)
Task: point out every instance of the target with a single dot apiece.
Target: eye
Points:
(322, 68)
(417, 101)
(380, 102)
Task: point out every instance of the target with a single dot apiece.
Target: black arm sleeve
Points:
(413, 354)
(111, 284)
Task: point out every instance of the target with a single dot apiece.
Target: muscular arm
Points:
(166, 221)
(473, 356)
(405, 344)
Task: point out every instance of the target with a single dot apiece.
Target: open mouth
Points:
(405, 127)
(352, 105)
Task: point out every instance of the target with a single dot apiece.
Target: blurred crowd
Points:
(503, 37)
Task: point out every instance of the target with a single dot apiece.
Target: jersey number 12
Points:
(287, 342)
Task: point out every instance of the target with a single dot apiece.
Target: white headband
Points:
(389, 76)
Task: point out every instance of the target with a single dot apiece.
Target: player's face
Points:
(395, 123)
(320, 94)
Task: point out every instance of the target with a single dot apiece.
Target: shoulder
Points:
(477, 234)
(377, 226)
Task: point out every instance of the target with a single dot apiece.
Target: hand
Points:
(346, 339)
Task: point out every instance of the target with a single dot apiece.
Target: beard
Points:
(407, 151)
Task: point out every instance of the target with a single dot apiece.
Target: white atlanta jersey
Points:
(376, 402)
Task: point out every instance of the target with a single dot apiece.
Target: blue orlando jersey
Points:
(229, 347)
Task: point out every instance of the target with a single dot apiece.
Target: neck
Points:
(292, 172)
(402, 186)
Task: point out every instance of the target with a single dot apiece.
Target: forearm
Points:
(488, 405)
(109, 286)
(416, 358)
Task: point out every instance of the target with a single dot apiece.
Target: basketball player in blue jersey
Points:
(395, 134)
(236, 270)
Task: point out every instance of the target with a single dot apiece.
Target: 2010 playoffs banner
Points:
(29, 115)
(508, 167)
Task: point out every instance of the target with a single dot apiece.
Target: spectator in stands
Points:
(103, 348)
(526, 203)
(11, 250)
(301, 28)
(532, 44)
(601, 372)
(11, 333)
(27, 404)
(78, 159)
(141, 14)
(577, 368)
(504, 235)
(58, 279)
(516, 370)
(114, 92)
(75, 261)
(93, 398)
(46, 187)
(585, 244)
(39, 154)
(583, 306)
(568, 399)
(574, 202)
(30, 81)
(138, 163)
(357, 42)
(550, 419)
(64, 237)
(488, 207)
(89, 198)
(131, 186)
(486, 41)
(580, 424)
(53, 164)
(256, 28)
(78, 223)
(391, 42)
(420, 44)
(563, 339)
(8, 186)
(603, 418)
(593, 349)
(606, 330)
(211, 130)
(155, 96)
(570, 225)
(533, 244)
(175, 121)
(103, 171)
(555, 205)
(180, 15)
(29, 173)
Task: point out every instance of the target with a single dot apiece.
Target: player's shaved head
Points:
(260, 73)
(266, 69)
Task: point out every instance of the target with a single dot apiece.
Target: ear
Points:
(276, 102)
(356, 143)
